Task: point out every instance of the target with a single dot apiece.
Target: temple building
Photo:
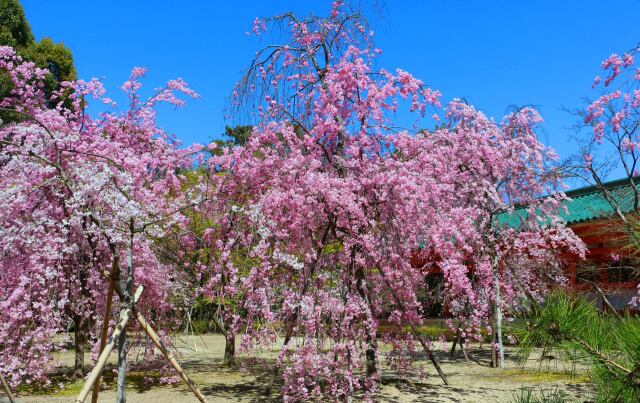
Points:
(611, 268)
(612, 263)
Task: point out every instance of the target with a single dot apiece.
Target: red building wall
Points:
(609, 263)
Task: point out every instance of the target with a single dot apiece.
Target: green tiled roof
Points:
(586, 204)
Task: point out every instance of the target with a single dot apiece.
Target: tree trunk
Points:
(122, 365)
(494, 351)
(107, 315)
(453, 345)
(80, 343)
(185, 330)
(80, 322)
(372, 343)
(229, 349)
(500, 347)
(104, 355)
(126, 285)
(372, 347)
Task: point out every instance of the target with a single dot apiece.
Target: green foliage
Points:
(234, 136)
(611, 381)
(434, 332)
(14, 28)
(55, 57)
(430, 331)
(573, 326)
(333, 247)
(551, 326)
(202, 326)
(238, 135)
(206, 312)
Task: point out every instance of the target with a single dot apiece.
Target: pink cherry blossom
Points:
(71, 184)
(329, 201)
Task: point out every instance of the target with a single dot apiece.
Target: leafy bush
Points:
(430, 331)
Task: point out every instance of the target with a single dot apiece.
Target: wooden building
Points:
(612, 263)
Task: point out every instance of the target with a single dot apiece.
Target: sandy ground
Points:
(472, 381)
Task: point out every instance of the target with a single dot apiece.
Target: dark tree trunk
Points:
(229, 340)
(372, 347)
(456, 340)
(372, 343)
(81, 324)
(494, 351)
(229, 349)
(80, 344)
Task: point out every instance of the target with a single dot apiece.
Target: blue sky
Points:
(496, 54)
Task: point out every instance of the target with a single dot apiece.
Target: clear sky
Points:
(496, 54)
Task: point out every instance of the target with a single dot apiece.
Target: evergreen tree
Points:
(232, 136)
(238, 135)
(14, 28)
(55, 57)
(607, 342)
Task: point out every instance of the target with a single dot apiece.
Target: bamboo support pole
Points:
(102, 360)
(163, 349)
(432, 358)
(7, 390)
(427, 348)
(169, 356)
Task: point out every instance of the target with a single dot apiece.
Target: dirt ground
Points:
(201, 356)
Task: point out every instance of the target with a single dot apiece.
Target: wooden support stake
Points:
(169, 356)
(433, 360)
(427, 349)
(105, 321)
(7, 390)
(102, 360)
